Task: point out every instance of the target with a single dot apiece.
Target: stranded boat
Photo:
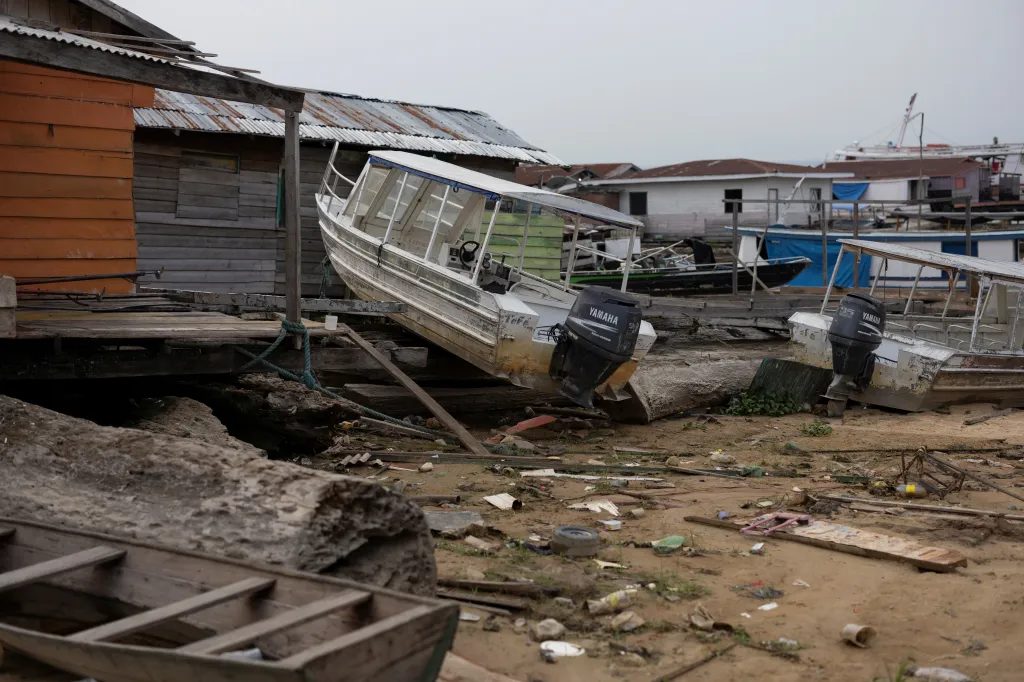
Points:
(410, 230)
(918, 362)
(118, 610)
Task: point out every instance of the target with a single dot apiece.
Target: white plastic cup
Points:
(331, 323)
(858, 635)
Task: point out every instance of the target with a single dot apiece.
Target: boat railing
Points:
(329, 184)
(688, 266)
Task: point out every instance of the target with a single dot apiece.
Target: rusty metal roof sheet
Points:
(379, 124)
(10, 25)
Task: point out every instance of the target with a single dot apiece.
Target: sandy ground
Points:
(969, 620)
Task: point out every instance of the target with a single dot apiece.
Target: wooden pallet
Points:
(134, 612)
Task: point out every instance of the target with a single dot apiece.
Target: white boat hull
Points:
(502, 334)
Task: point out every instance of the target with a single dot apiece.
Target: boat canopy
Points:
(1002, 270)
(494, 188)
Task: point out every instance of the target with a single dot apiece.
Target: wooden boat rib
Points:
(116, 595)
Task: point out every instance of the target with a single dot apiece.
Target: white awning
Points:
(1002, 270)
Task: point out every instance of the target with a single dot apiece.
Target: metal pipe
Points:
(832, 281)
(735, 249)
(394, 211)
(629, 259)
(757, 257)
(572, 253)
(361, 182)
(949, 298)
(977, 317)
(967, 245)
(856, 235)
(483, 245)
(874, 283)
(913, 288)
(437, 222)
(824, 247)
(526, 233)
(1016, 319)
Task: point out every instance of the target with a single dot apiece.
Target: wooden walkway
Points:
(44, 324)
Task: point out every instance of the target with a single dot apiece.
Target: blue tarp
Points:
(848, 191)
(811, 275)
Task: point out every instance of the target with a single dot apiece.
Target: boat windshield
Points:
(416, 214)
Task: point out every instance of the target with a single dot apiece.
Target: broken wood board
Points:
(457, 669)
(474, 597)
(935, 508)
(469, 400)
(865, 543)
(550, 473)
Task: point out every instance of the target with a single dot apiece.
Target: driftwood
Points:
(184, 493)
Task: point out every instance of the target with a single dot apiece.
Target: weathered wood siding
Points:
(543, 245)
(206, 210)
(66, 176)
(64, 13)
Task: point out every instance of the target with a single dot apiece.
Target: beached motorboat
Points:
(918, 362)
(117, 610)
(410, 231)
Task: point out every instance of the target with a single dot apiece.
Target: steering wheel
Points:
(466, 255)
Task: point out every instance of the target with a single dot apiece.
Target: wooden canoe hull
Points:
(386, 636)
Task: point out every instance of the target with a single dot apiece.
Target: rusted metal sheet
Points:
(351, 120)
(9, 26)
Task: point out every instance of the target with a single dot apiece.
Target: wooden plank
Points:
(297, 616)
(63, 267)
(47, 569)
(148, 205)
(41, 186)
(161, 160)
(147, 170)
(30, 49)
(164, 218)
(207, 176)
(197, 252)
(267, 200)
(229, 241)
(252, 177)
(116, 209)
(64, 137)
(90, 163)
(207, 201)
(344, 306)
(68, 248)
(860, 542)
(225, 214)
(259, 212)
(55, 111)
(61, 84)
(146, 194)
(208, 190)
(467, 439)
(148, 619)
(144, 182)
(458, 669)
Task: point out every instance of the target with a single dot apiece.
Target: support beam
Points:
(268, 302)
(472, 444)
(292, 220)
(31, 49)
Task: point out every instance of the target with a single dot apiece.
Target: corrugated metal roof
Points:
(7, 25)
(889, 169)
(379, 124)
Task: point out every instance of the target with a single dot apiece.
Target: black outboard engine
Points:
(599, 335)
(855, 333)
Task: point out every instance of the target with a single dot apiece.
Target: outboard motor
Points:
(599, 335)
(855, 333)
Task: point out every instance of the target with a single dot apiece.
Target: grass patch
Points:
(670, 584)
(761, 403)
(818, 428)
(457, 548)
(688, 426)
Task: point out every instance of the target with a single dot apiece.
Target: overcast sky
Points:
(648, 81)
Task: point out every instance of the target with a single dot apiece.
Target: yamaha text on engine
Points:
(597, 337)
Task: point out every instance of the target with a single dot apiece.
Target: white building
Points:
(689, 198)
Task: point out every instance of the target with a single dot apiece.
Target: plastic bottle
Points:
(911, 490)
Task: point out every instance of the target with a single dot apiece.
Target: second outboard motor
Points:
(599, 335)
(855, 334)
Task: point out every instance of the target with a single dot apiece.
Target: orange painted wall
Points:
(66, 176)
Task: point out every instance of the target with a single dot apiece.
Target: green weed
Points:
(819, 427)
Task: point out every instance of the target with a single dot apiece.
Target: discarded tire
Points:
(575, 541)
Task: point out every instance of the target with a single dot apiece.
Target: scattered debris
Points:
(611, 524)
(454, 524)
(701, 619)
(482, 545)
(940, 675)
(551, 650)
(800, 583)
(627, 621)
(575, 541)
(768, 607)
(504, 501)
(769, 523)
(469, 617)
(434, 500)
(722, 458)
(607, 564)
(971, 421)
(637, 512)
(758, 549)
(679, 672)
(596, 506)
(616, 601)
(669, 544)
(546, 630)
(524, 425)
(426, 467)
(974, 647)
(492, 624)
(550, 473)
(566, 602)
(759, 590)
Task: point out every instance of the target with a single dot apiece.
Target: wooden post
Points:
(856, 235)
(8, 302)
(735, 248)
(292, 220)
